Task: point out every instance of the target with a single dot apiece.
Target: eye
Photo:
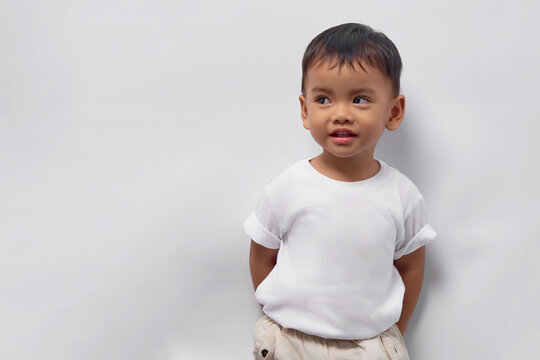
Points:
(323, 100)
(360, 100)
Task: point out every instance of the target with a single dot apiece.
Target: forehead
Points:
(331, 75)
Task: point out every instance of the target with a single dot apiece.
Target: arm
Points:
(261, 261)
(411, 269)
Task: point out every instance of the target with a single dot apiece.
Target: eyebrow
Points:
(353, 91)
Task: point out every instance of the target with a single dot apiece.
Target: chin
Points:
(341, 156)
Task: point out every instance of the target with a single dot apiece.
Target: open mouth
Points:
(343, 133)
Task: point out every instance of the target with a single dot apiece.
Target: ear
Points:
(397, 112)
(303, 111)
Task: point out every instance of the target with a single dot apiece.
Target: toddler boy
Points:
(338, 240)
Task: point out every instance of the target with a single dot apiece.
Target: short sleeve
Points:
(417, 231)
(262, 226)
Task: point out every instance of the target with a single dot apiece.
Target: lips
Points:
(342, 133)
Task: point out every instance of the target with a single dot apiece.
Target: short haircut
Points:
(352, 44)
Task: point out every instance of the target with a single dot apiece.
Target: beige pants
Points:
(272, 341)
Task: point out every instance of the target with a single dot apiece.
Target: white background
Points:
(136, 137)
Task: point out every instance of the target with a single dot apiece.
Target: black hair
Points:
(352, 44)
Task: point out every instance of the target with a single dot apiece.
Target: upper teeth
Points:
(342, 132)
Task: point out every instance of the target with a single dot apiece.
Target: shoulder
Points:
(409, 193)
(287, 176)
(287, 180)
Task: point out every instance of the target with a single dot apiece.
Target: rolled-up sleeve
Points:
(262, 226)
(418, 232)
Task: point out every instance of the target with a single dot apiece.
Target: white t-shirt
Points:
(337, 241)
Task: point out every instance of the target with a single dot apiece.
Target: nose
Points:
(341, 114)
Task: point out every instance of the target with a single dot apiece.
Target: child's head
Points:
(354, 44)
(346, 108)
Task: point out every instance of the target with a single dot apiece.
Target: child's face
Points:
(353, 99)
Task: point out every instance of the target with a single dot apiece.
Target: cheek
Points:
(371, 116)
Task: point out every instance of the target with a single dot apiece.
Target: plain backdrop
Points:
(137, 136)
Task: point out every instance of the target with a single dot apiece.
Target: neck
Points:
(356, 168)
